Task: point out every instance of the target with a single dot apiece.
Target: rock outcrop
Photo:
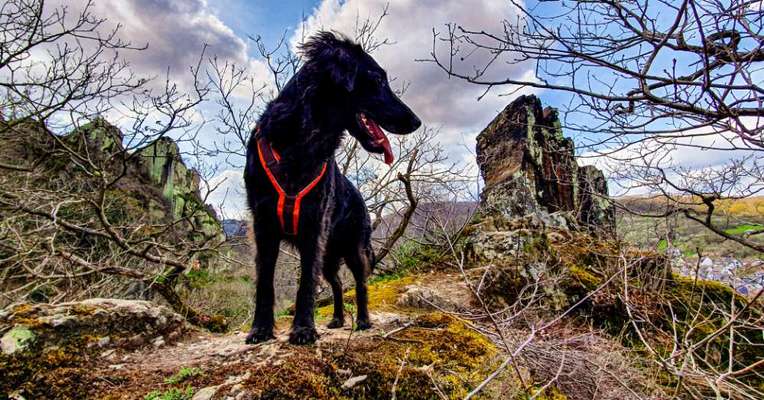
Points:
(158, 165)
(41, 342)
(529, 168)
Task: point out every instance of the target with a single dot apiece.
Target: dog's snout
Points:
(415, 122)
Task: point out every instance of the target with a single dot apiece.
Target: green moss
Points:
(19, 338)
(182, 375)
(383, 295)
(299, 375)
(742, 229)
(662, 245)
(712, 300)
(551, 393)
(435, 347)
(584, 277)
(457, 357)
(171, 394)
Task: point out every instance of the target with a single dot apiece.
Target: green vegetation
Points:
(183, 374)
(689, 236)
(383, 295)
(744, 228)
(171, 394)
(412, 255)
(662, 245)
(227, 293)
(434, 348)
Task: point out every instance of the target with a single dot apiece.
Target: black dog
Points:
(295, 189)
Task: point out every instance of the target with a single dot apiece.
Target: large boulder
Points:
(45, 343)
(529, 168)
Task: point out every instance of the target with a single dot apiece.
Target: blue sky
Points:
(266, 18)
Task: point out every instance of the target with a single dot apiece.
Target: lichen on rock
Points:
(19, 338)
(529, 168)
(43, 343)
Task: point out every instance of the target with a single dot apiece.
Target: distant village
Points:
(746, 277)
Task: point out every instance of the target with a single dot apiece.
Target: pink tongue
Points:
(383, 141)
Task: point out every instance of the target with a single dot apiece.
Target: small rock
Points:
(236, 388)
(344, 372)
(63, 321)
(17, 339)
(16, 396)
(350, 383)
(205, 393)
(117, 366)
(136, 340)
(237, 379)
(102, 342)
(426, 299)
(158, 342)
(108, 353)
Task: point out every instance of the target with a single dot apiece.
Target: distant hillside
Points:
(430, 217)
(234, 228)
(751, 207)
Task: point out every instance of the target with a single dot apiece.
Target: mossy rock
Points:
(435, 349)
(55, 343)
(582, 270)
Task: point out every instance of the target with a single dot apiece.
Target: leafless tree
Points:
(78, 217)
(640, 83)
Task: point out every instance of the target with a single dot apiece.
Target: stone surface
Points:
(206, 393)
(93, 323)
(17, 339)
(352, 382)
(162, 163)
(529, 168)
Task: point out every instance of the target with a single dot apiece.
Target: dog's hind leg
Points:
(265, 261)
(359, 261)
(330, 270)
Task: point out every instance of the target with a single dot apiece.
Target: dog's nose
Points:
(415, 122)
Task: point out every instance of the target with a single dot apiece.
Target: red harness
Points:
(270, 159)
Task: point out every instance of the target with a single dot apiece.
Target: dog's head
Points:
(371, 103)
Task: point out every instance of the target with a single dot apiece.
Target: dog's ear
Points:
(343, 69)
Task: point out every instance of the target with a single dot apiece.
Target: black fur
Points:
(305, 124)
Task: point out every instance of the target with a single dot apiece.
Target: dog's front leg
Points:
(267, 255)
(303, 326)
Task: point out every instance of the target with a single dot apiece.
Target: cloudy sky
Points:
(176, 30)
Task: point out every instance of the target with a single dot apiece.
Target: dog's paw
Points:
(303, 335)
(362, 324)
(335, 323)
(259, 335)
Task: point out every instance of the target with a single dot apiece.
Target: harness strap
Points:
(270, 159)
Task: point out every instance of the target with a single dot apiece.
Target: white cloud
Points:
(174, 34)
(450, 104)
(698, 154)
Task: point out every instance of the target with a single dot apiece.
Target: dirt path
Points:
(224, 366)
